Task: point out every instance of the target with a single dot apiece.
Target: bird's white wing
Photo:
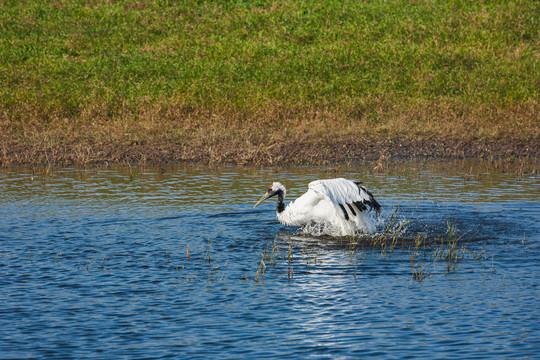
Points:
(351, 197)
(339, 191)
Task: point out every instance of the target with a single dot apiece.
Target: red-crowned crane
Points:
(337, 206)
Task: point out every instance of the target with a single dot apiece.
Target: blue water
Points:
(153, 263)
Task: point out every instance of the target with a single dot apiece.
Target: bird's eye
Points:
(270, 190)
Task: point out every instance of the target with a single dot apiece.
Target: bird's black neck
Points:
(280, 205)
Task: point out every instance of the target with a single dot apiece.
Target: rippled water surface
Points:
(152, 263)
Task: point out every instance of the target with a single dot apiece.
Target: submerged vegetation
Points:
(427, 255)
(280, 257)
(91, 81)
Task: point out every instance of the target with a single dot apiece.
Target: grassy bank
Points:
(254, 75)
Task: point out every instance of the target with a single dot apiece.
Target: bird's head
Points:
(274, 189)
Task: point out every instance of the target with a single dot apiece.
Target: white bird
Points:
(337, 207)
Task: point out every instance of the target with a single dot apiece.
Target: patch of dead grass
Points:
(173, 131)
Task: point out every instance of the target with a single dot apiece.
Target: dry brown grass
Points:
(172, 131)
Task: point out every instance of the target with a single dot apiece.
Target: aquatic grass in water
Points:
(449, 252)
(422, 252)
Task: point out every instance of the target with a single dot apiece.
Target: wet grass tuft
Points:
(428, 255)
(290, 256)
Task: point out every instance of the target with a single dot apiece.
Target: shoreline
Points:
(277, 153)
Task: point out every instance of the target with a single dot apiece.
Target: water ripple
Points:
(100, 263)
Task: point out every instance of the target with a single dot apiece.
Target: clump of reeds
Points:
(269, 256)
(389, 238)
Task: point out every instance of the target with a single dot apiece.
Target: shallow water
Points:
(152, 263)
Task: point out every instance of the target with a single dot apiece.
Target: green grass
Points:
(389, 66)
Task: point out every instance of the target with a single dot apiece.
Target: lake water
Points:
(155, 263)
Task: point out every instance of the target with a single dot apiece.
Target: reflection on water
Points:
(159, 262)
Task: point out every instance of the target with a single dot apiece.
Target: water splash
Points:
(361, 225)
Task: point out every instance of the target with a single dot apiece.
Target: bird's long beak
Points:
(264, 197)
